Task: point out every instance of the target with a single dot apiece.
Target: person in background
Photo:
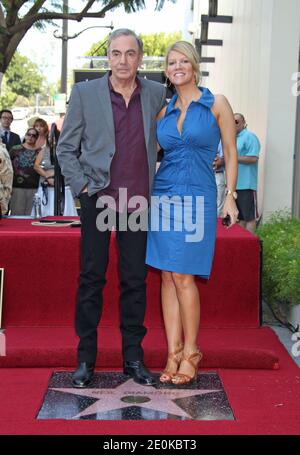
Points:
(219, 169)
(6, 178)
(60, 121)
(9, 138)
(248, 148)
(42, 127)
(45, 169)
(26, 179)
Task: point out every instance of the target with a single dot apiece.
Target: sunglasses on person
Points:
(31, 135)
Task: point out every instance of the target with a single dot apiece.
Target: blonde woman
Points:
(183, 219)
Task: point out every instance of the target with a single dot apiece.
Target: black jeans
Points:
(132, 270)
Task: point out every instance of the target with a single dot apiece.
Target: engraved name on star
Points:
(159, 399)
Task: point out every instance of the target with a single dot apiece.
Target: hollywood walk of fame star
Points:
(144, 397)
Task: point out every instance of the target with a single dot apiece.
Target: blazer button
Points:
(111, 154)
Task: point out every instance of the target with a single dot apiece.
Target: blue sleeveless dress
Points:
(183, 213)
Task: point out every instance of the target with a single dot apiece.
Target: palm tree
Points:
(18, 16)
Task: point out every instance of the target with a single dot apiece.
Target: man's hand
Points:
(247, 159)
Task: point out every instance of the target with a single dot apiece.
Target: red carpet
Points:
(222, 348)
(41, 268)
(263, 402)
(42, 265)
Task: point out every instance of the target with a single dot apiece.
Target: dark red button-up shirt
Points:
(129, 167)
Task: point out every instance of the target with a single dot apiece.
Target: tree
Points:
(18, 16)
(23, 76)
(22, 80)
(7, 98)
(156, 44)
(98, 49)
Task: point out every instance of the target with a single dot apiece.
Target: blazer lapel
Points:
(145, 101)
(104, 104)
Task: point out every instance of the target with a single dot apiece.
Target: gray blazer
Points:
(89, 127)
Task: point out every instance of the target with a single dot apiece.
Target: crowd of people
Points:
(112, 131)
(32, 169)
(248, 148)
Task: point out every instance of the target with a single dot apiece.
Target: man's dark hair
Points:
(6, 110)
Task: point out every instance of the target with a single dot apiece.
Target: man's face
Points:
(6, 119)
(239, 123)
(124, 57)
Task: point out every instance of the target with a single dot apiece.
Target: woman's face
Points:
(41, 128)
(31, 137)
(179, 69)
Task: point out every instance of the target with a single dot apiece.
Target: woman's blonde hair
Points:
(187, 49)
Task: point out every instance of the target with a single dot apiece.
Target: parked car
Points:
(20, 113)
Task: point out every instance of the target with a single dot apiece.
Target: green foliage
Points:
(281, 259)
(23, 76)
(20, 16)
(98, 49)
(21, 81)
(7, 98)
(131, 6)
(156, 44)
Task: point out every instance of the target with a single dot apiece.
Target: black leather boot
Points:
(139, 373)
(83, 376)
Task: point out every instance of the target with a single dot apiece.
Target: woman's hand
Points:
(49, 174)
(230, 209)
(50, 181)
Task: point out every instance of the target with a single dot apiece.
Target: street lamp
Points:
(65, 38)
(37, 99)
(59, 182)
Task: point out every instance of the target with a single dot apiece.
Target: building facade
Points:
(257, 68)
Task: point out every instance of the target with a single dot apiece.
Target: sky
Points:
(45, 50)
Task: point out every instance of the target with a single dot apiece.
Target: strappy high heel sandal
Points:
(167, 375)
(194, 360)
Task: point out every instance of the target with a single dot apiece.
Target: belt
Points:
(218, 172)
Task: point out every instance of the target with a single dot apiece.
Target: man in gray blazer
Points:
(108, 142)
